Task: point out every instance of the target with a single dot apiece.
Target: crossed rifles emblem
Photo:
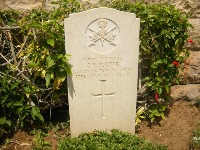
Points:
(102, 34)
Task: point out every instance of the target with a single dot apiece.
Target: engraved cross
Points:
(103, 95)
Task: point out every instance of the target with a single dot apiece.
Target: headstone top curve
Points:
(101, 9)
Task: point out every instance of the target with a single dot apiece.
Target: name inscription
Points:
(102, 67)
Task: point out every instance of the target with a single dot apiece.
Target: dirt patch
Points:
(24, 141)
(175, 131)
(20, 141)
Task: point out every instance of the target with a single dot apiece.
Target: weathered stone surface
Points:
(188, 6)
(103, 88)
(194, 35)
(23, 4)
(91, 1)
(3, 6)
(185, 92)
(155, 1)
(191, 71)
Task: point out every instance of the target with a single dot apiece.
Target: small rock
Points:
(185, 92)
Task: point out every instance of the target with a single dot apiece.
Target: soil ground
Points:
(175, 131)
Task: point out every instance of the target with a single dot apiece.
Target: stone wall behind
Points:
(189, 88)
(190, 77)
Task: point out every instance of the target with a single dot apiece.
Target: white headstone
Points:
(102, 91)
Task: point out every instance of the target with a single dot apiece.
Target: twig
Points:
(47, 96)
(34, 35)
(12, 48)
(26, 38)
(22, 144)
(45, 107)
(16, 68)
(18, 53)
(5, 59)
(23, 76)
(3, 44)
(8, 62)
(9, 28)
(31, 101)
(4, 74)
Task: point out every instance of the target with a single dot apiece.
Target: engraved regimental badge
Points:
(102, 35)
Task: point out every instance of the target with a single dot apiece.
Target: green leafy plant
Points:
(33, 64)
(156, 111)
(60, 129)
(139, 115)
(196, 138)
(39, 142)
(100, 140)
(163, 34)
